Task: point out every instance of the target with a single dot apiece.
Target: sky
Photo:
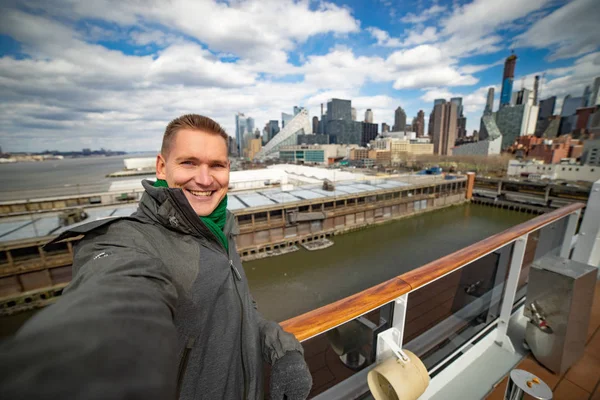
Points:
(112, 73)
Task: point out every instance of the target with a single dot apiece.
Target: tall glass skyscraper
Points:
(507, 79)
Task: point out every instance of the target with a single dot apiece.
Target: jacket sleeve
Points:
(275, 342)
(110, 336)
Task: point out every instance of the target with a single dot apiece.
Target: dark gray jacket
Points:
(156, 307)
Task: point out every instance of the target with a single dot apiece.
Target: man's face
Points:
(197, 163)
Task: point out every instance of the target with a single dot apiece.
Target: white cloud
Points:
(569, 31)
(383, 38)
(426, 15)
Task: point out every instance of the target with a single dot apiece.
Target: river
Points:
(289, 285)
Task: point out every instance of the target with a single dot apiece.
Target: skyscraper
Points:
(273, 127)
(595, 94)
(297, 110)
(353, 114)
(315, 124)
(507, 79)
(285, 118)
(439, 101)
(369, 116)
(338, 109)
(489, 104)
(459, 105)
(418, 124)
(586, 96)
(399, 120)
(243, 125)
(444, 128)
(384, 127)
(536, 89)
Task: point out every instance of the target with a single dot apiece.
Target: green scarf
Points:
(215, 222)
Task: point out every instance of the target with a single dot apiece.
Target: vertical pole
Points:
(396, 333)
(587, 248)
(565, 249)
(508, 299)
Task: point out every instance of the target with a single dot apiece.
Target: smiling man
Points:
(159, 305)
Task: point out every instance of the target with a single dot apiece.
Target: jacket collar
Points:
(169, 207)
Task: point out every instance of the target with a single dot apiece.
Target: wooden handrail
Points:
(327, 317)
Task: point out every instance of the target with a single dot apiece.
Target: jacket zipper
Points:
(239, 278)
(183, 365)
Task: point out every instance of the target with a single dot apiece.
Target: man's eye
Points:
(187, 163)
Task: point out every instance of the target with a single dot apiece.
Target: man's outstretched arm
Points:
(110, 336)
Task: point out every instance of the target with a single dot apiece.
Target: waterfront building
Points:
(313, 154)
(489, 143)
(489, 104)
(315, 124)
(508, 76)
(399, 120)
(369, 116)
(567, 172)
(444, 128)
(300, 124)
(591, 153)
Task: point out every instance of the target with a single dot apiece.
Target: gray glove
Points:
(290, 376)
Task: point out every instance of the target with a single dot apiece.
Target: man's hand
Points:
(290, 376)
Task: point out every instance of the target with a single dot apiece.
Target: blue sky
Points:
(112, 73)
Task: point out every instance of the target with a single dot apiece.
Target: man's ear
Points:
(161, 167)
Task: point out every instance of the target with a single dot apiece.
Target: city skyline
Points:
(75, 76)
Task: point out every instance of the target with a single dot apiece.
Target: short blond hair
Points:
(194, 122)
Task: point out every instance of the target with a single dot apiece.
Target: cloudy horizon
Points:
(111, 74)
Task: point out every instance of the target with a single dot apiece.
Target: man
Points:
(159, 306)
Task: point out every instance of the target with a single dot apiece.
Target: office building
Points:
(523, 96)
(285, 119)
(418, 124)
(489, 104)
(369, 132)
(338, 109)
(490, 145)
(587, 93)
(315, 124)
(515, 121)
(353, 114)
(344, 131)
(507, 80)
(591, 153)
(243, 125)
(254, 147)
(297, 110)
(298, 125)
(369, 116)
(303, 139)
(546, 111)
(444, 128)
(568, 114)
(384, 127)
(594, 99)
(313, 154)
(439, 101)
(399, 120)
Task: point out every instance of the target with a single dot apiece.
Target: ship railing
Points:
(438, 311)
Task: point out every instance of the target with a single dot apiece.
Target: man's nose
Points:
(203, 176)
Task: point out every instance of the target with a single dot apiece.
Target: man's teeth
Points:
(198, 193)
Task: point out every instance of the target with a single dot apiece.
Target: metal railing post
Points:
(565, 249)
(510, 291)
(587, 248)
(389, 341)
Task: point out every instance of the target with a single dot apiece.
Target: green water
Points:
(289, 285)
